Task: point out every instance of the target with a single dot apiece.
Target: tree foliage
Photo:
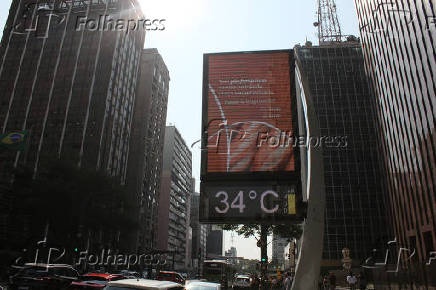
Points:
(286, 231)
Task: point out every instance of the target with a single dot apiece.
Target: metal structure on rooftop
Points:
(329, 28)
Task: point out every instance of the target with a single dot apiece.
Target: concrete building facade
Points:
(71, 87)
(174, 201)
(232, 255)
(278, 250)
(146, 149)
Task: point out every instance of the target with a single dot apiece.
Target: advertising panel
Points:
(249, 120)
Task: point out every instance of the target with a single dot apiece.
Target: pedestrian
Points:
(362, 281)
(280, 282)
(332, 281)
(325, 282)
(255, 283)
(291, 276)
(352, 281)
(273, 282)
(287, 283)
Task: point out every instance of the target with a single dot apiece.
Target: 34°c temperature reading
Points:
(238, 203)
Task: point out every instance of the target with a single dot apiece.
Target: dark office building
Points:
(333, 77)
(214, 244)
(146, 147)
(398, 40)
(174, 200)
(71, 86)
(199, 231)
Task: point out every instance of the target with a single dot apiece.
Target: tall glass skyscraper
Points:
(175, 198)
(399, 39)
(146, 147)
(333, 76)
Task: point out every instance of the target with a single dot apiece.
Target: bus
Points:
(218, 271)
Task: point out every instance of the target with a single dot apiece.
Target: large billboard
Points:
(250, 171)
(249, 119)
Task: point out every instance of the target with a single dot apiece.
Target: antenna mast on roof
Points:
(329, 29)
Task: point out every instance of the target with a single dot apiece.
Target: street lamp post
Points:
(263, 254)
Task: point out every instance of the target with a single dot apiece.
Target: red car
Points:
(94, 281)
(170, 276)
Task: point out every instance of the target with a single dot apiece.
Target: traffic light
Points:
(263, 260)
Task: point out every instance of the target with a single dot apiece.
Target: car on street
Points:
(171, 276)
(94, 281)
(130, 274)
(202, 285)
(43, 276)
(242, 282)
(129, 284)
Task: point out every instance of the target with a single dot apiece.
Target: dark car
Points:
(170, 276)
(43, 276)
(94, 281)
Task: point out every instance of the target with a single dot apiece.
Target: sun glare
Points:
(178, 14)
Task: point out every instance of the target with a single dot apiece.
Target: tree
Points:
(261, 232)
(286, 231)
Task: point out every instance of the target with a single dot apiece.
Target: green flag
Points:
(14, 140)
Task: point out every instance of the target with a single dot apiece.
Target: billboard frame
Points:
(241, 176)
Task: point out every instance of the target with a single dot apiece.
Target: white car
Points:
(129, 284)
(242, 281)
(202, 285)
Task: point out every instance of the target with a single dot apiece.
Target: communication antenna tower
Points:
(329, 29)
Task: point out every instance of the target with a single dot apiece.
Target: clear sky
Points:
(194, 27)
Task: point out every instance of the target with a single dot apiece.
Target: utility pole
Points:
(263, 254)
(199, 263)
(329, 29)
